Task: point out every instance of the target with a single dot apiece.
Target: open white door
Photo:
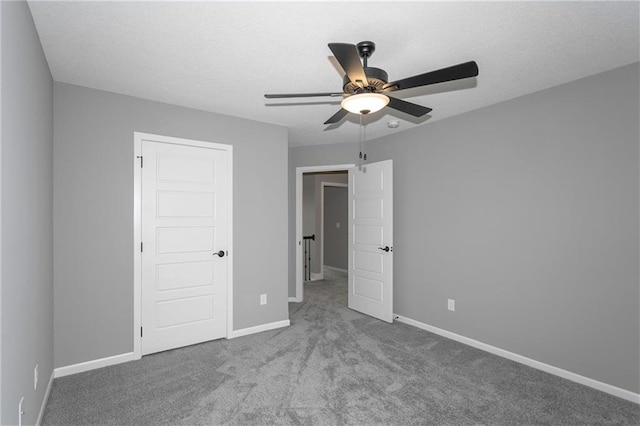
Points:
(371, 239)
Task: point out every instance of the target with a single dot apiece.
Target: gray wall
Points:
(339, 177)
(526, 213)
(93, 212)
(27, 230)
(336, 239)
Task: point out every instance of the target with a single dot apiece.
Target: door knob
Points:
(385, 248)
(220, 253)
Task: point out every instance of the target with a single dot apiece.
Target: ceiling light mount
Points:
(365, 103)
(365, 50)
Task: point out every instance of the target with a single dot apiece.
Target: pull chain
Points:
(362, 138)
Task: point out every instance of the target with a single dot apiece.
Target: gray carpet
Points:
(332, 366)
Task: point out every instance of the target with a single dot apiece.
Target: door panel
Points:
(184, 275)
(369, 289)
(184, 225)
(367, 262)
(371, 225)
(187, 169)
(372, 208)
(368, 234)
(178, 239)
(184, 311)
(186, 204)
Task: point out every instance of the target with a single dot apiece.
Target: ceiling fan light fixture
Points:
(365, 103)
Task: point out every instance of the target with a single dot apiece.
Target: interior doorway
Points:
(317, 208)
(370, 237)
(328, 170)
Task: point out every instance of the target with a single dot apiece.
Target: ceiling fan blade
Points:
(349, 59)
(408, 107)
(300, 95)
(456, 72)
(337, 116)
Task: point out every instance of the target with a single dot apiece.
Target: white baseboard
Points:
(259, 328)
(129, 356)
(295, 299)
(333, 268)
(604, 387)
(92, 365)
(316, 277)
(45, 399)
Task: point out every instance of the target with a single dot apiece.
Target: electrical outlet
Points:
(451, 304)
(263, 299)
(35, 378)
(20, 411)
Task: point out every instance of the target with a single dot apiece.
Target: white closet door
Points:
(184, 236)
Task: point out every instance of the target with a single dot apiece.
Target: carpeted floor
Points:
(332, 366)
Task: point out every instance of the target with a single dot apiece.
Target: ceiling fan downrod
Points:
(365, 50)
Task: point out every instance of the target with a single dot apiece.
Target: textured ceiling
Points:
(224, 56)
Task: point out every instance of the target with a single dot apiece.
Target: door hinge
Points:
(140, 331)
(141, 247)
(141, 161)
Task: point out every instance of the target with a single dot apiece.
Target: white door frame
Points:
(138, 137)
(323, 185)
(299, 172)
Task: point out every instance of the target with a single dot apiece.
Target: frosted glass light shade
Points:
(365, 103)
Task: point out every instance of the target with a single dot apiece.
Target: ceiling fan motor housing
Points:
(376, 78)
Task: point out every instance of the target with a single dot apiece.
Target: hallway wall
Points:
(336, 215)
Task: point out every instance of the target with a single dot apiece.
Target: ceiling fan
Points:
(366, 89)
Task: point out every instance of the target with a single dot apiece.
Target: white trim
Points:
(45, 400)
(260, 328)
(230, 251)
(294, 300)
(323, 185)
(137, 241)
(138, 137)
(92, 365)
(1, 210)
(299, 172)
(333, 268)
(604, 387)
(317, 276)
